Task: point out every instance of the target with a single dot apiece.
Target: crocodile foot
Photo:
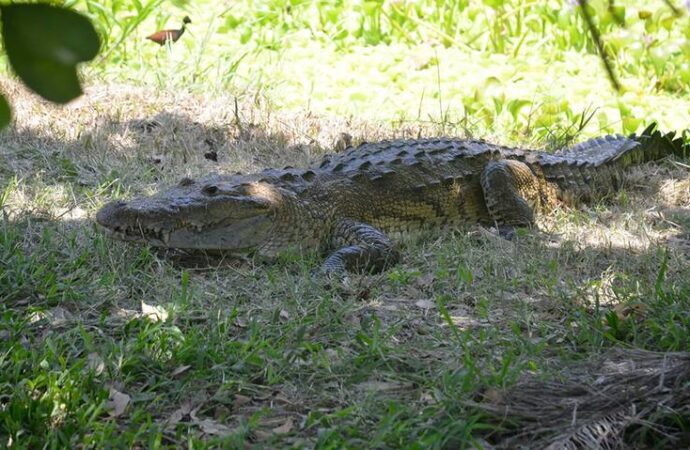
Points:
(359, 247)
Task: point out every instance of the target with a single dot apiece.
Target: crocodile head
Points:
(234, 214)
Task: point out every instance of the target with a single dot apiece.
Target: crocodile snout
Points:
(107, 215)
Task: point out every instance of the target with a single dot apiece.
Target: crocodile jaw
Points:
(129, 223)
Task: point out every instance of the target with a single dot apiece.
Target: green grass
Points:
(263, 355)
(516, 69)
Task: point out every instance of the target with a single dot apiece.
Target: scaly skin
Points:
(349, 204)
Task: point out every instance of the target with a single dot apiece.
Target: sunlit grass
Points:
(511, 69)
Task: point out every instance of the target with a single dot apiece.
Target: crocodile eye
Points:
(186, 182)
(210, 189)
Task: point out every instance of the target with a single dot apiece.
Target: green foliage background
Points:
(516, 68)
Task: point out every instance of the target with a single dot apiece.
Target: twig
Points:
(674, 8)
(600, 46)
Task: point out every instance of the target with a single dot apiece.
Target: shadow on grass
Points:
(142, 149)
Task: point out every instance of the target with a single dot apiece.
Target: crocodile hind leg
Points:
(359, 247)
(511, 193)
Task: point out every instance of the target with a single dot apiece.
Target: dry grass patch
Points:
(609, 402)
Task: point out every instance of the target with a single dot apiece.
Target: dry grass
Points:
(606, 403)
(264, 354)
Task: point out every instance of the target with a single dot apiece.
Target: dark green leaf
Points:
(44, 43)
(5, 112)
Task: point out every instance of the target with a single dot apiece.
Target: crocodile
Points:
(351, 204)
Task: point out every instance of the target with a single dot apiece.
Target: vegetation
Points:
(104, 344)
(43, 45)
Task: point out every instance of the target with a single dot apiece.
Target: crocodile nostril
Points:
(109, 212)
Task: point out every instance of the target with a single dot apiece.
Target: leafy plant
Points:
(44, 43)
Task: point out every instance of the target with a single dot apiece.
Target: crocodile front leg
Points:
(359, 247)
(511, 192)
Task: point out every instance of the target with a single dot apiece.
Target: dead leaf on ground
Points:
(424, 304)
(425, 280)
(125, 314)
(481, 444)
(412, 292)
(58, 316)
(636, 310)
(209, 426)
(284, 315)
(117, 403)
(180, 370)
(37, 316)
(214, 428)
(240, 400)
(427, 398)
(380, 386)
(188, 407)
(493, 395)
(154, 313)
(261, 435)
(285, 427)
(179, 413)
(95, 363)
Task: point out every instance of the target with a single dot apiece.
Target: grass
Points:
(515, 69)
(105, 344)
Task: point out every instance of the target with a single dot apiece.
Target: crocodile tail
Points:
(624, 151)
(655, 145)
